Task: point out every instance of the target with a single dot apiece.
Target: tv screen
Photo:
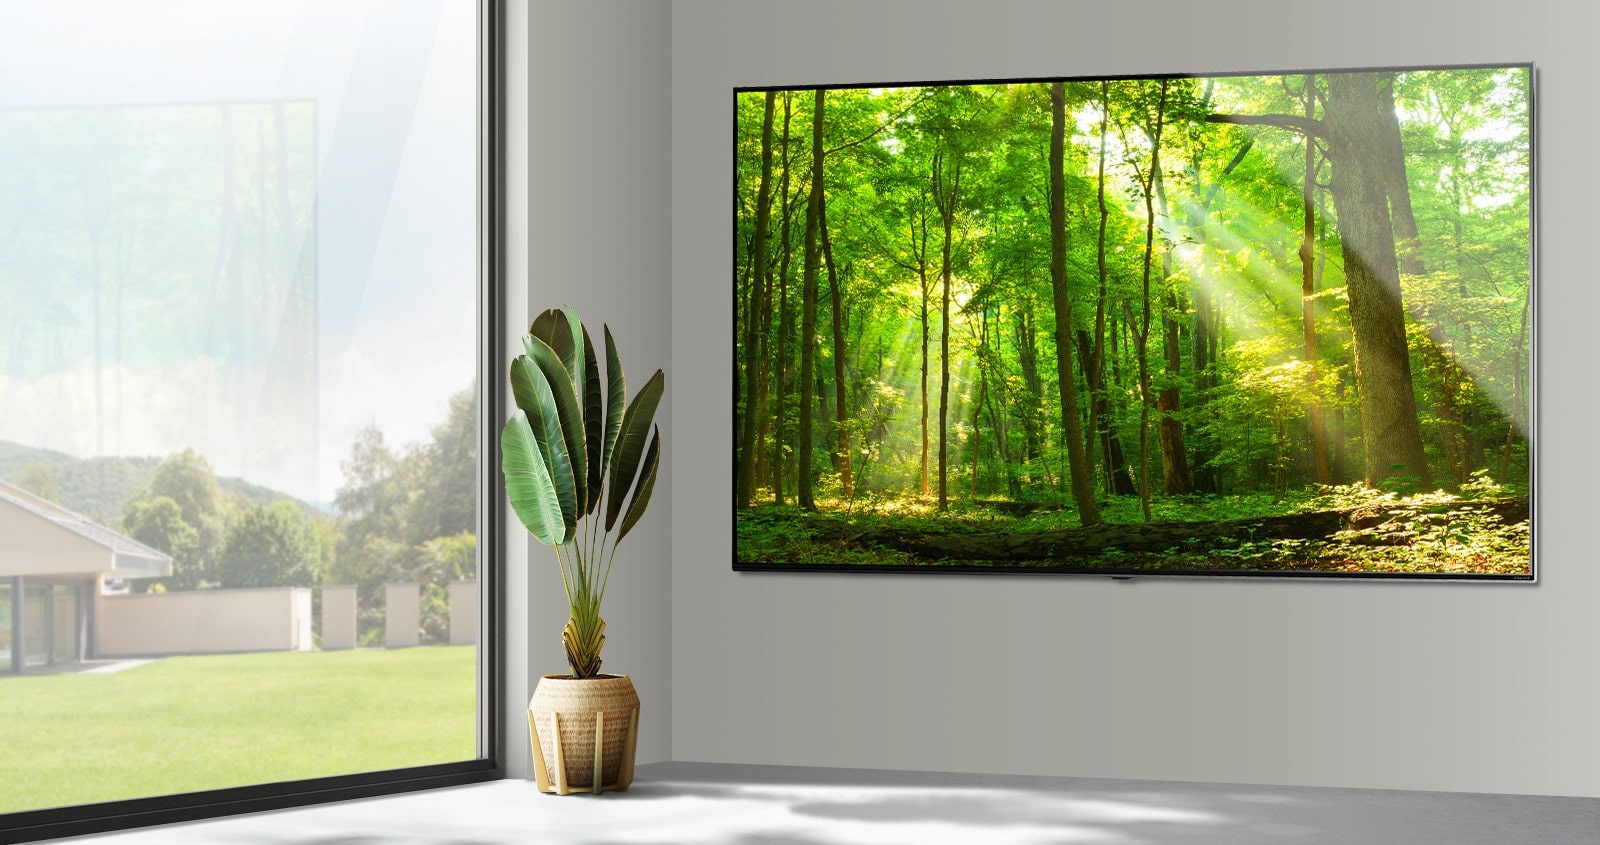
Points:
(1269, 324)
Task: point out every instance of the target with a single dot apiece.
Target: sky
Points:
(380, 99)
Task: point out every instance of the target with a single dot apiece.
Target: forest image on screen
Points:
(1270, 324)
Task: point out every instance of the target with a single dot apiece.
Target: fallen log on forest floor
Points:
(1383, 523)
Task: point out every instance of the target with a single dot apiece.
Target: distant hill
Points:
(99, 487)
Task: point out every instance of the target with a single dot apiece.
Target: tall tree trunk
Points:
(1028, 361)
(785, 323)
(841, 419)
(1437, 358)
(1355, 129)
(1391, 435)
(1336, 427)
(754, 363)
(1119, 474)
(823, 422)
(1203, 471)
(1308, 290)
(764, 400)
(1175, 477)
(1408, 245)
(977, 422)
(919, 250)
(808, 306)
(1117, 460)
(1077, 465)
(946, 192)
(925, 333)
(998, 400)
(1518, 388)
(1143, 336)
(1099, 403)
(1101, 426)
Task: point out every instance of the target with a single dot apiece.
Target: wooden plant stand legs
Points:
(560, 786)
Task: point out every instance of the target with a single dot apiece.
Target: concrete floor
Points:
(710, 804)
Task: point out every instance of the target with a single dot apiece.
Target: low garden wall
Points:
(205, 621)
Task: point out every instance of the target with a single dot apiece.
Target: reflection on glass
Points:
(238, 346)
(5, 628)
(36, 625)
(64, 624)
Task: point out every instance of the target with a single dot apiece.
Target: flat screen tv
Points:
(1265, 324)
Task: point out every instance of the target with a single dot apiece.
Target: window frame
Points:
(55, 822)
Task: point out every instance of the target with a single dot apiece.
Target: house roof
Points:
(78, 535)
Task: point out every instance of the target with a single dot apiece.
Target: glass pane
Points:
(36, 624)
(238, 348)
(5, 627)
(64, 624)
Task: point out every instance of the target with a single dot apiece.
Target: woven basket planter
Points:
(583, 733)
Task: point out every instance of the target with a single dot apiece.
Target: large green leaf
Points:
(593, 422)
(552, 327)
(528, 485)
(616, 398)
(630, 444)
(647, 483)
(535, 396)
(574, 358)
(560, 329)
(569, 419)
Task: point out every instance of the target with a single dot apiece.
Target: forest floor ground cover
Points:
(1433, 533)
(189, 723)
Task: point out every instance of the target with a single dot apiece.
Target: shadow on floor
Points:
(844, 807)
(704, 804)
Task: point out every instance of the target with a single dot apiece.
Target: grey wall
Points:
(587, 222)
(1425, 686)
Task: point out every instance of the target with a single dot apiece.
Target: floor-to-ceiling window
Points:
(243, 277)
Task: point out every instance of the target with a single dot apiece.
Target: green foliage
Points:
(158, 522)
(41, 480)
(547, 447)
(187, 480)
(441, 561)
(444, 502)
(401, 511)
(1437, 533)
(269, 546)
(777, 534)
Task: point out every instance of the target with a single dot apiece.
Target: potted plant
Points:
(579, 469)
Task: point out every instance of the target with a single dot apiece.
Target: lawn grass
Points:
(190, 723)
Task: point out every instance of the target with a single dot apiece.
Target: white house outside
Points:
(53, 563)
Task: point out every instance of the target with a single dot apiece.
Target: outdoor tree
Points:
(41, 480)
(445, 500)
(186, 479)
(269, 546)
(158, 522)
(439, 562)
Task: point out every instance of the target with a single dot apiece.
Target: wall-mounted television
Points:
(1268, 324)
